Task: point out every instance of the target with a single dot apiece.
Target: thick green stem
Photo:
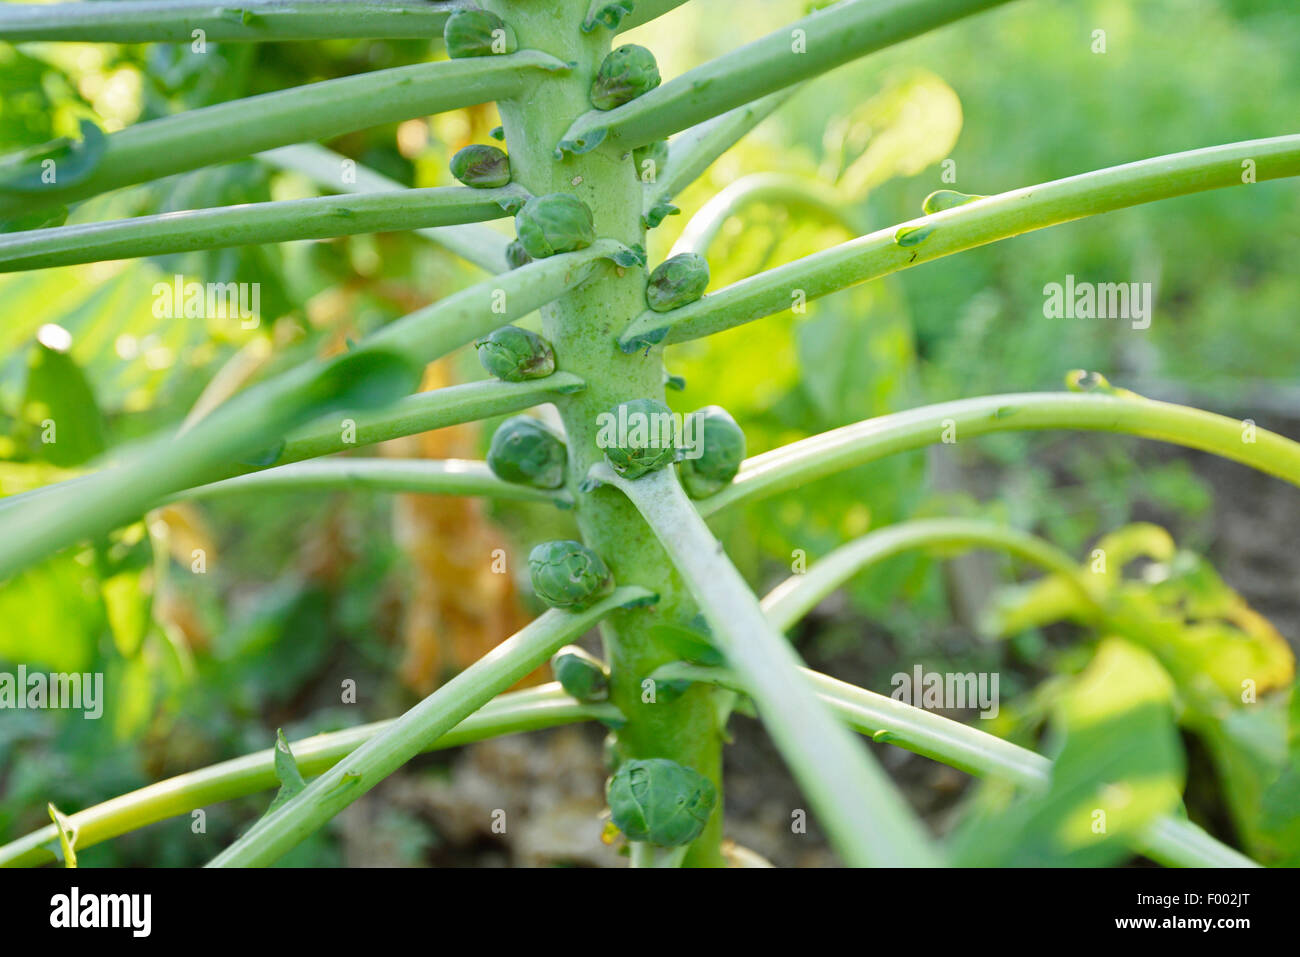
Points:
(579, 325)
(546, 706)
(867, 820)
(964, 227)
(819, 42)
(316, 111)
(174, 21)
(415, 731)
(800, 462)
(1172, 841)
(321, 217)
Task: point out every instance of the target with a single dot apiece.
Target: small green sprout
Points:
(581, 675)
(942, 199)
(517, 255)
(638, 436)
(660, 801)
(482, 167)
(677, 282)
(554, 223)
(515, 355)
(527, 452)
(624, 74)
(567, 574)
(721, 448)
(477, 33)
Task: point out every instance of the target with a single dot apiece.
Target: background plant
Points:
(653, 740)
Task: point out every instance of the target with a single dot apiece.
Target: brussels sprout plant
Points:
(580, 117)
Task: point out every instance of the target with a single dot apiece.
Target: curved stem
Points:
(695, 149)
(320, 217)
(480, 245)
(775, 188)
(821, 455)
(447, 477)
(1169, 840)
(866, 818)
(786, 604)
(258, 418)
(965, 227)
(316, 111)
(546, 706)
(174, 21)
(415, 731)
(806, 48)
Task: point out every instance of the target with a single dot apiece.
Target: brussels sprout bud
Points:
(477, 33)
(569, 575)
(581, 675)
(481, 166)
(719, 449)
(623, 76)
(677, 282)
(554, 223)
(517, 255)
(515, 354)
(527, 452)
(638, 436)
(660, 802)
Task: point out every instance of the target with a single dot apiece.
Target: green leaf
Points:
(40, 219)
(362, 379)
(52, 615)
(61, 163)
(910, 125)
(657, 213)
(286, 772)
(126, 602)
(688, 644)
(606, 13)
(64, 422)
(67, 836)
(1120, 767)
